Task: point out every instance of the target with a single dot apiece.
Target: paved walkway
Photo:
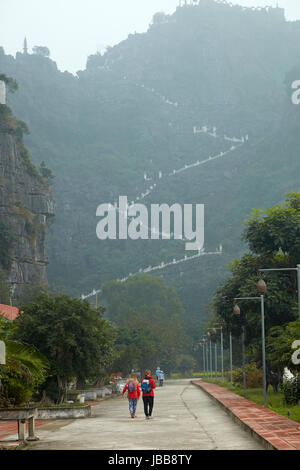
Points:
(9, 430)
(184, 418)
(279, 432)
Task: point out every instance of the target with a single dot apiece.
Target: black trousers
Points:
(148, 405)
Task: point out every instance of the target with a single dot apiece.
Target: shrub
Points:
(254, 376)
(24, 371)
(291, 390)
(186, 365)
(17, 384)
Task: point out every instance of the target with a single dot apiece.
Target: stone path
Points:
(279, 432)
(184, 418)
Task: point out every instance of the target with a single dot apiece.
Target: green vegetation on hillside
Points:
(133, 110)
(149, 319)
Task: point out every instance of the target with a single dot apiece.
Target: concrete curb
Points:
(17, 445)
(68, 412)
(258, 437)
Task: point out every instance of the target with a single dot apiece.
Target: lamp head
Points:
(236, 310)
(261, 286)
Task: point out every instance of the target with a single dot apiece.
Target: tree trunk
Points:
(62, 390)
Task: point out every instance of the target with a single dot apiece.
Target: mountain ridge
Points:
(133, 112)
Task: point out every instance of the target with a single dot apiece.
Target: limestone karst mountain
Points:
(26, 204)
(205, 81)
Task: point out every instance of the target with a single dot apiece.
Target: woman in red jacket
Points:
(133, 393)
(148, 394)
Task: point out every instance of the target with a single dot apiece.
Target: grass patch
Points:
(207, 375)
(63, 405)
(195, 375)
(275, 401)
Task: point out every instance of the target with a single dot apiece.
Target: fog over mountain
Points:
(82, 28)
(196, 110)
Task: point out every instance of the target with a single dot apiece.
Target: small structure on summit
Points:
(25, 47)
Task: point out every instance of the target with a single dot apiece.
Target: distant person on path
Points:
(133, 393)
(161, 378)
(157, 372)
(148, 385)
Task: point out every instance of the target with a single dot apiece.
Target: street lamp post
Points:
(210, 354)
(230, 356)
(202, 343)
(244, 359)
(262, 288)
(210, 358)
(216, 360)
(236, 311)
(214, 332)
(222, 351)
(207, 363)
(203, 353)
(222, 355)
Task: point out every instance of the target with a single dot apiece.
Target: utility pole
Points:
(244, 358)
(230, 356)
(262, 288)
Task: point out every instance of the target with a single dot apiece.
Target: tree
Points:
(25, 368)
(273, 236)
(11, 84)
(159, 18)
(141, 297)
(74, 337)
(279, 343)
(46, 172)
(275, 229)
(41, 50)
(135, 349)
(149, 316)
(186, 364)
(280, 302)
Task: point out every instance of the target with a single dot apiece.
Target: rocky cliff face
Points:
(26, 204)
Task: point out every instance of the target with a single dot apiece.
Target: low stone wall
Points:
(92, 394)
(71, 412)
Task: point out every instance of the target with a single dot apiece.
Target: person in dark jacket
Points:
(148, 394)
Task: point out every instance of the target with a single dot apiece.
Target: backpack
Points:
(131, 386)
(146, 386)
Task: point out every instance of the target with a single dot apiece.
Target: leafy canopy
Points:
(149, 318)
(274, 241)
(73, 336)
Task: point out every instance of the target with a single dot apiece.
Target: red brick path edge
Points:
(272, 430)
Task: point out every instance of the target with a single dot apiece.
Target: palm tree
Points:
(24, 358)
(30, 358)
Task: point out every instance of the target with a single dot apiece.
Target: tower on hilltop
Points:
(25, 47)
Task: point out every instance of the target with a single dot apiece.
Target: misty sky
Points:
(74, 29)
